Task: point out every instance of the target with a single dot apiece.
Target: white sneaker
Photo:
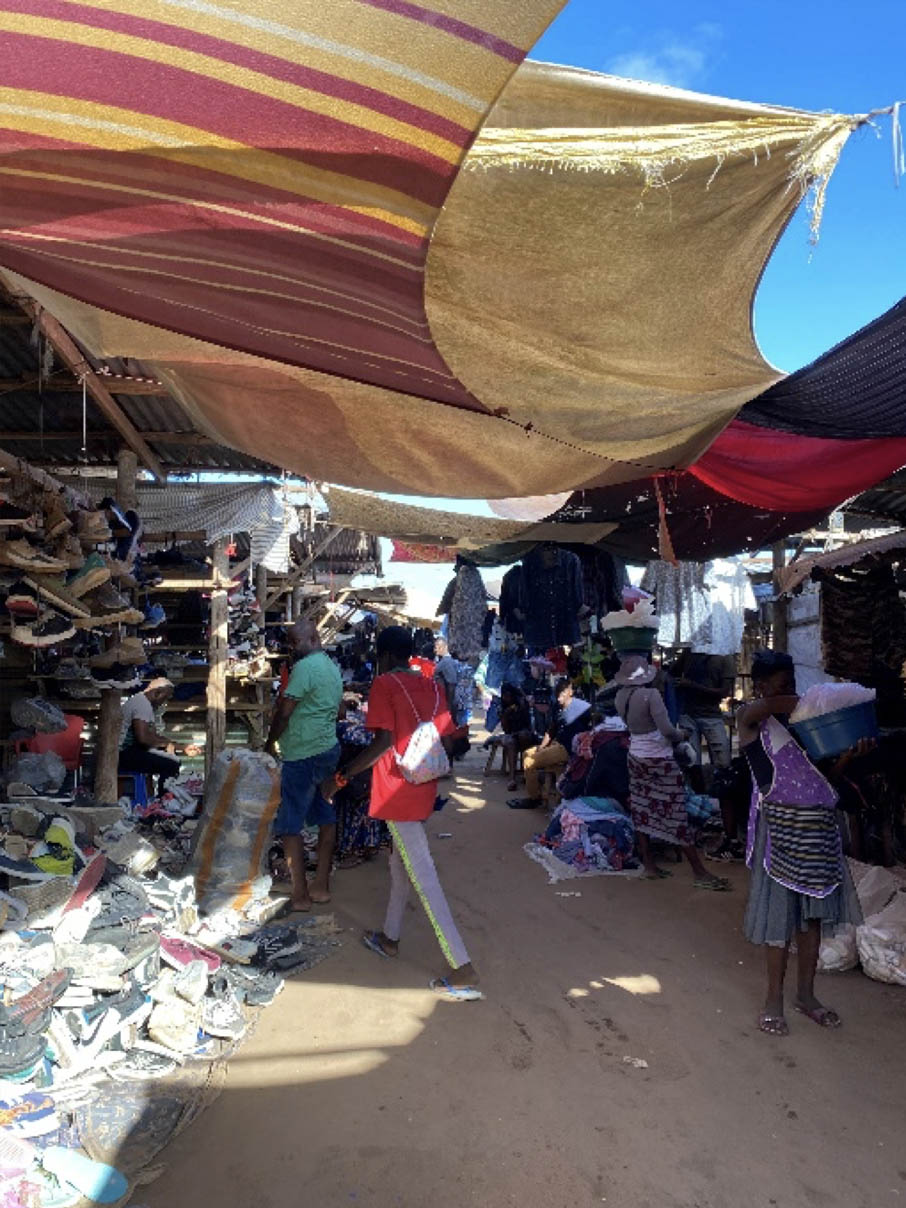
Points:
(175, 1024)
(191, 982)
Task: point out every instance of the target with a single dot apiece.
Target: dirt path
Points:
(359, 1088)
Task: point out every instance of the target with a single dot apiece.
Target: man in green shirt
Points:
(305, 729)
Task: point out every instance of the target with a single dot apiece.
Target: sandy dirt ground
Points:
(360, 1088)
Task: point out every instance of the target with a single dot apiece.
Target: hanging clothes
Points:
(682, 602)
(863, 628)
(730, 593)
(467, 613)
(511, 595)
(701, 606)
(603, 579)
(553, 596)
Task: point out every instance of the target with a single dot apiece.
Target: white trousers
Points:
(411, 864)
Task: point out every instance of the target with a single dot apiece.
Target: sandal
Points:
(824, 1017)
(372, 941)
(773, 1025)
(717, 884)
(449, 993)
(659, 874)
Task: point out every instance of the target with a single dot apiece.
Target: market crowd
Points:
(617, 708)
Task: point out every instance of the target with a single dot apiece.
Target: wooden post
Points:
(126, 474)
(297, 603)
(110, 714)
(780, 603)
(217, 657)
(261, 584)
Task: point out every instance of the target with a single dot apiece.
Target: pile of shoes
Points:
(246, 649)
(109, 974)
(53, 575)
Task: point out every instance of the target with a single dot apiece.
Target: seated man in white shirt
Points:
(142, 747)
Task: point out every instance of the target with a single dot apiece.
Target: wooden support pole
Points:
(126, 476)
(780, 602)
(261, 584)
(110, 716)
(297, 603)
(217, 657)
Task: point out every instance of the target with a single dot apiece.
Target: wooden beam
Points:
(188, 439)
(293, 579)
(69, 352)
(15, 465)
(64, 383)
(217, 658)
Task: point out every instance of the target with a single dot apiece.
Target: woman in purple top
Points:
(800, 884)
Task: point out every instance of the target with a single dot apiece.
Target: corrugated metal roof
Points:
(45, 426)
(793, 576)
(886, 501)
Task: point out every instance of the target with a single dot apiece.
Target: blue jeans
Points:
(301, 803)
(714, 731)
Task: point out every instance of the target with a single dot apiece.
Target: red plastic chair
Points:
(68, 744)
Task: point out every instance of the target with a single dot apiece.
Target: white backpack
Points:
(424, 758)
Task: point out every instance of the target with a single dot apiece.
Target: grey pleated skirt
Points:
(774, 913)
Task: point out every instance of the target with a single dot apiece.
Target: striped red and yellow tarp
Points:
(261, 174)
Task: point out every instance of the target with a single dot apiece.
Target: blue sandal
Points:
(441, 987)
(372, 941)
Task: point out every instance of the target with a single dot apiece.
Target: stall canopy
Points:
(799, 450)
(358, 239)
(447, 531)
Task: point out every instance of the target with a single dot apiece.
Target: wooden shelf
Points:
(71, 705)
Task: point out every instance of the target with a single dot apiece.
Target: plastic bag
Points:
(882, 943)
(230, 845)
(828, 698)
(839, 952)
(875, 886)
(35, 713)
(45, 773)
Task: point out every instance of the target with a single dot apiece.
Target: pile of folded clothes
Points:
(589, 836)
(110, 977)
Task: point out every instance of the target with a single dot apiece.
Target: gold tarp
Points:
(593, 271)
(590, 281)
(433, 526)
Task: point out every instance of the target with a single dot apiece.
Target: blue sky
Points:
(808, 55)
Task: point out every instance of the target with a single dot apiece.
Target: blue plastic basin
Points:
(833, 733)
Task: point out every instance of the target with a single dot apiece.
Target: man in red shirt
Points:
(401, 699)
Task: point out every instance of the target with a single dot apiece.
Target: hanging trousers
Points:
(411, 864)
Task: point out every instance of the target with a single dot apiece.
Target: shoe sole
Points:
(27, 638)
(125, 616)
(65, 602)
(36, 567)
(87, 582)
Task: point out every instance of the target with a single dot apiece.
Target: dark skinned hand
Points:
(862, 748)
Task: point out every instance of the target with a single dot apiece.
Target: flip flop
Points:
(442, 988)
(715, 884)
(773, 1025)
(824, 1017)
(96, 1180)
(661, 875)
(373, 944)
